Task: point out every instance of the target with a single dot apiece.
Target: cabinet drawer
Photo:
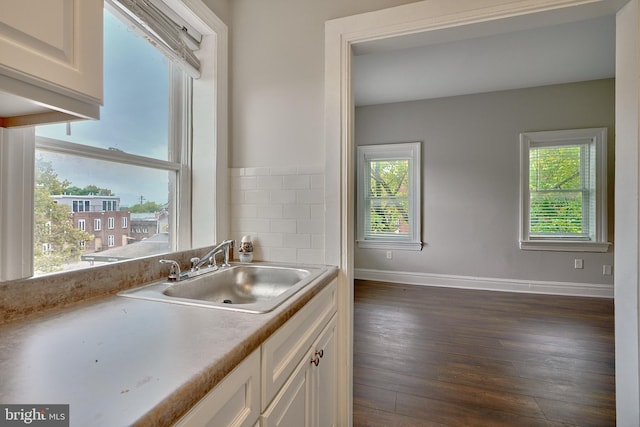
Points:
(282, 352)
(235, 401)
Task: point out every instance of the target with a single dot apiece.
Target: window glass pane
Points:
(557, 191)
(388, 197)
(64, 181)
(135, 115)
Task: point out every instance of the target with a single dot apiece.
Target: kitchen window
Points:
(389, 196)
(563, 191)
(112, 157)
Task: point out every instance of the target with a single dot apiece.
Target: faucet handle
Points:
(174, 269)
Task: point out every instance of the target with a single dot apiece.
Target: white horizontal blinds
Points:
(387, 198)
(175, 39)
(561, 189)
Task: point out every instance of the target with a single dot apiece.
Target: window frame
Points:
(209, 148)
(597, 241)
(395, 151)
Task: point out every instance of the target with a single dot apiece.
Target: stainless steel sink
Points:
(253, 288)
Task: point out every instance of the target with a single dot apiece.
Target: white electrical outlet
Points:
(578, 263)
(389, 255)
(606, 270)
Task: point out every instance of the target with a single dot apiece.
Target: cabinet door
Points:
(325, 377)
(233, 402)
(292, 405)
(59, 41)
(282, 352)
(51, 55)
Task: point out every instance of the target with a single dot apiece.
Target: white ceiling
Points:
(427, 65)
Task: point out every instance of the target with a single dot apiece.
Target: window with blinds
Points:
(563, 191)
(389, 196)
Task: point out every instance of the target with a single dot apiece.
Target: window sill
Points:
(564, 246)
(400, 246)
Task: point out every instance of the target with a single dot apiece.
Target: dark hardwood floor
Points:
(429, 356)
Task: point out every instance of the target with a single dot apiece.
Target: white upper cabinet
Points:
(50, 60)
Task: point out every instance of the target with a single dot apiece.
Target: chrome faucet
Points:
(210, 257)
(175, 274)
(174, 270)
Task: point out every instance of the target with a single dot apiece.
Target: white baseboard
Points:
(487, 283)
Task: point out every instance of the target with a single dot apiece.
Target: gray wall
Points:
(471, 178)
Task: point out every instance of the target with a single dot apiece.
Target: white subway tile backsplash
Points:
(285, 170)
(244, 183)
(310, 226)
(282, 208)
(283, 226)
(250, 224)
(256, 197)
(270, 211)
(300, 241)
(281, 196)
(317, 211)
(317, 181)
(317, 241)
(256, 171)
(282, 254)
(310, 256)
(310, 196)
(297, 211)
(269, 240)
(246, 211)
(296, 182)
(269, 182)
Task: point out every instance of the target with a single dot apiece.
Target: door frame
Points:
(441, 18)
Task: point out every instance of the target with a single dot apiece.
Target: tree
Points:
(147, 207)
(556, 190)
(389, 192)
(56, 239)
(88, 190)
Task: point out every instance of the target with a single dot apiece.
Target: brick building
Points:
(100, 216)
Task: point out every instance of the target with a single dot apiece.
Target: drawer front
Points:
(282, 352)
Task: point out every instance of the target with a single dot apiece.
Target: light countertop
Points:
(120, 361)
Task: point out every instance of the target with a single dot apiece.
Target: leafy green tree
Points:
(56, 239)
(388, 189)
(556, 190)
(147, 207)
(88, 190)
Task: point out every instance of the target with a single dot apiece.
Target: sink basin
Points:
(252, 288)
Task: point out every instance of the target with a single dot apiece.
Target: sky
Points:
(134, 119)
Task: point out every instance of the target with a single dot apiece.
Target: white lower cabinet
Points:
(308, 397)
(235, 401)
(291, 379)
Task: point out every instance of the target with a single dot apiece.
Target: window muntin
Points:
(389, 196)
(563, 190)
